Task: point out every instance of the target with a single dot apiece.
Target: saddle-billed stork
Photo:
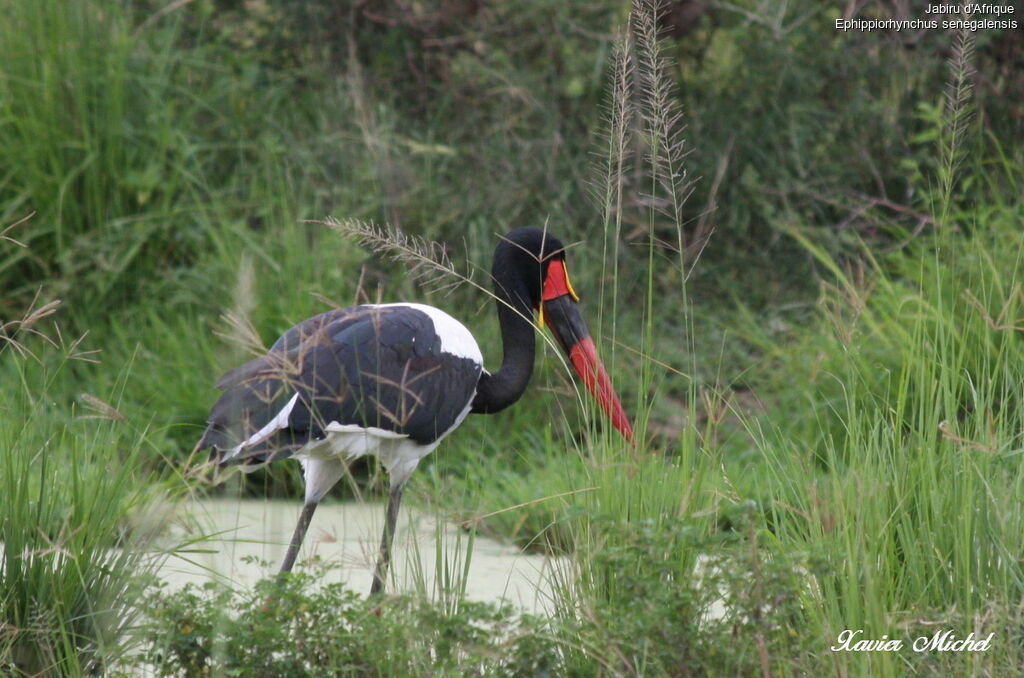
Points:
(392, 380)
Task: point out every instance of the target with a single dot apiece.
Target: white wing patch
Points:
(455, 338)
(279, 422)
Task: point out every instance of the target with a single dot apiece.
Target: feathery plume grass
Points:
(100, 409)
(659, 123)
(958, 112)
(618, 120)
(430, 264)
(613, 163)
(662, 121)
(26, 326)
(15, 333)
(239, 330)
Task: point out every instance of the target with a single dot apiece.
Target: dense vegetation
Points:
(808, 288)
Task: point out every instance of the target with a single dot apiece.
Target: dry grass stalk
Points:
(101, 409)
(11, 329)
(16, 224)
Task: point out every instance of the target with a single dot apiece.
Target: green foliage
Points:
(88, 125)
(655, 619)
(658, 612)
(298, 629)
(148, 168)
(893, 441)
(79, 514)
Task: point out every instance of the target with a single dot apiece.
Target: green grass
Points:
(82, 506)
(905, 475)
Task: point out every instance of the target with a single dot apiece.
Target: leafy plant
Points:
(298, 628)
(78, 519)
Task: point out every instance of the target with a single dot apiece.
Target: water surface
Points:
(348, 534)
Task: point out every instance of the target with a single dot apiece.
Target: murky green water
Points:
(348, 534)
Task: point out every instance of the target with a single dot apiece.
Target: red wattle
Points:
(556, 283)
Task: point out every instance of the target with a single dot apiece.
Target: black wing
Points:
(368, 366)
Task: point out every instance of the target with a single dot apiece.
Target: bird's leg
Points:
(384, 558)
(300, 533)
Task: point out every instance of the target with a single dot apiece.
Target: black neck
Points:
(496, 391)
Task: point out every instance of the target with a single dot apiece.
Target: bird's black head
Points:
(531, 276)
(521, 262)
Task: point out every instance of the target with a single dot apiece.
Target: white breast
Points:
(324, 461)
